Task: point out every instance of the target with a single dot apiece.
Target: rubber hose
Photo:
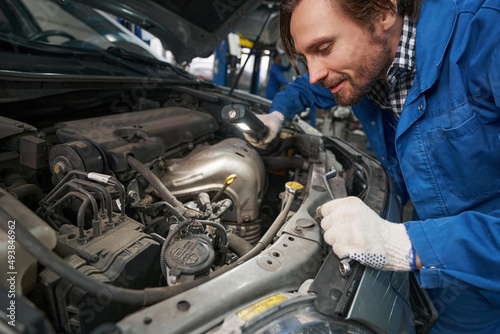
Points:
(164, 247)
(26, 190)
(155, 182)
(261, 245)
(12, 178)
(270, 233)
(239, 245)
(221, 231)
(285, 162)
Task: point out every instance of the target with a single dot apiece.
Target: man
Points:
(276, 77)
(423, 78)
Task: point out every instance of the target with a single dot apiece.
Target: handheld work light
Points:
(244, 119)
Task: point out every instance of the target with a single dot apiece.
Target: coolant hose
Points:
(270, 233)
(27, 190)
(18, 186)
(239, 245)
(156, 183)
(220, 230)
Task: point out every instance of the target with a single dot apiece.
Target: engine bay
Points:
(137, 200)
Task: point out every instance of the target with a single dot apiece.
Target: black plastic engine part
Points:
(192, 255)
(335, 291)
(145, 135)
(33, 152)
(123, 257)
(79, 155)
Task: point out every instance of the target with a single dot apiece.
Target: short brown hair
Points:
(361, 11)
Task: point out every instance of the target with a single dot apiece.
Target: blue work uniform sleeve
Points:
(281, 78)
(459, 249)
(494, 76)
(299, 95)
(279, 73)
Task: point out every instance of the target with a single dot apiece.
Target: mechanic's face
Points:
(341, 54)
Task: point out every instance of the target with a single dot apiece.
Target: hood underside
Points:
(189, 29)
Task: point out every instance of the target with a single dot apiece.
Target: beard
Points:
(370, 66)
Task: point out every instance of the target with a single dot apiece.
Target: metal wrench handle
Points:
(345, 264)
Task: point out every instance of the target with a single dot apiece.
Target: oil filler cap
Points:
(191, 255)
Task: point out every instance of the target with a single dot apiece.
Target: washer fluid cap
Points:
(190, 256)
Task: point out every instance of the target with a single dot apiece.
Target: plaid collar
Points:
(391, 92)
(405, 54)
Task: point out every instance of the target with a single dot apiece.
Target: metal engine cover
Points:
(206, 168)
(146, 135)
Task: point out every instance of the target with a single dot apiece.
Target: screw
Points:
(133, 195)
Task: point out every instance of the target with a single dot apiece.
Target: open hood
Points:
(187, 28)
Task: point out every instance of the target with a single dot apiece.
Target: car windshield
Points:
(66, 23)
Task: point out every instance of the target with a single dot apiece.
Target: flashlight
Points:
(244, 119)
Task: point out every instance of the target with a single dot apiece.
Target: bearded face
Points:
(341, 54)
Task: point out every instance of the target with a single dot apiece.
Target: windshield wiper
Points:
(110, 54)
(17, 44)
(115, 55)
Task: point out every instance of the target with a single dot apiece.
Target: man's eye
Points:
(325, 49)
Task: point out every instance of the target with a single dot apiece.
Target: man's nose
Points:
(317, 71)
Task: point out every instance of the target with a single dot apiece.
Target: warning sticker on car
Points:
(257, 308)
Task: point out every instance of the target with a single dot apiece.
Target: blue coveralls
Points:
(444, 154)
(276, 80)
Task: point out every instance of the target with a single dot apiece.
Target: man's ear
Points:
(387, 19)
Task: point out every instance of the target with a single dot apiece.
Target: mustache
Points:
(333, 82)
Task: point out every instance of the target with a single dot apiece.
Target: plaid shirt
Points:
(391, 92)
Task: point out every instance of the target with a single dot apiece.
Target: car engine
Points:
(122, 217)
(136, 200)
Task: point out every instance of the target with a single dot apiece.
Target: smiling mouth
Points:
(336, 88)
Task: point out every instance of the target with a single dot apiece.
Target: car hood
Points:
(189, 28)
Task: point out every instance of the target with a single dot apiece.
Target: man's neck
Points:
(393, 41)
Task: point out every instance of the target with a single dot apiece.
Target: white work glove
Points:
(355, 231)
(273, 122)
(342, 112)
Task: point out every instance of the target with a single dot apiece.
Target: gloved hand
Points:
(355, 231)
(273, 122)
